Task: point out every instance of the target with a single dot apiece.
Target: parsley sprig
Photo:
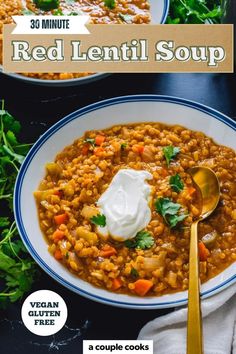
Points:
(169, 211)
(17, 269)
(142, 240)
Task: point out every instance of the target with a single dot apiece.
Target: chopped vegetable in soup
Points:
(116, 208)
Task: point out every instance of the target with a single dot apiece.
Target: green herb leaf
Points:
(111, 4)
(99, 220)
(17, 270)
(176, 183)
(47, 5)
(194, 12)
(126, 18)
(58, 12)
(4, 221)
(175, 219)
(142, 240)
(11, 138)
(89, 141)
(134, 273)
(123, 146)
(170, 152)
(169, 211)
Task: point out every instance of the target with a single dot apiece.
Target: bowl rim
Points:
(79, 80)
(57, 126)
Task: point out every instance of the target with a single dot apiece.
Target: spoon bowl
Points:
(206, 182)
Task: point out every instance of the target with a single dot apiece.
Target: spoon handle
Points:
(194, 332)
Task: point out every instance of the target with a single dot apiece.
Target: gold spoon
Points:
(208, 185)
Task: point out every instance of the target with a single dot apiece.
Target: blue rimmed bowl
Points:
(120, 110)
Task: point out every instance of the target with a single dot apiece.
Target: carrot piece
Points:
(58, 235)
(99, 139)
(203, 252)
(138, 149)
(142, 286)
(85, 149)
(58, 254)
(61, 219)
(191, 190)
(107, 251)
(98, 151)
(116, 284)
(164, 172)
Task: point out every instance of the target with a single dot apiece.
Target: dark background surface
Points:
(38, 108)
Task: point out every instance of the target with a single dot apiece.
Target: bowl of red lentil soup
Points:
(100, 12)
(66, 195)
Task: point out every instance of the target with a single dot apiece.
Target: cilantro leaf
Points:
(169, 211)
(142, 240)
(175, 219)
(11, 138)
(58, 12)
(89, 141)
(111, 4)
(17, 270)
(192, 11)
(4, 221)
(123, 146)
(170, 152)
(176, 183)
(134, 273)
(99, 220)
(9, 122)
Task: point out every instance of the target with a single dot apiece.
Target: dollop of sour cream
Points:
(125, 204)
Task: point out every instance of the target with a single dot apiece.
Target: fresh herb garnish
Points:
(176, 183)
(142, 240)
(123, 146)
(89, 141)
(134, 273)
(192, 11)
(111, 4)
(17, 269)
(58, 12)
(126, 18)
(47, 5)
(170, 152)
(99, 220)
(169, 211)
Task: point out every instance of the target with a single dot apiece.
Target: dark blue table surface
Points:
(38, 108)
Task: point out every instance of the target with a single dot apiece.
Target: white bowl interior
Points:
(122, 113)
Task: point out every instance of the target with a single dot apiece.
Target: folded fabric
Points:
(219, 327)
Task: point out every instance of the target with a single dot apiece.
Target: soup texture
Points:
(155, 260)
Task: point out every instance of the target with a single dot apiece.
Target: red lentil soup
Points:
(100, 12)
(67, 196)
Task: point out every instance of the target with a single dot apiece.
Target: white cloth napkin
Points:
(219, 327)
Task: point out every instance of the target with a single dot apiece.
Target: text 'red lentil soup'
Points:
(100, 12)
(116, 208)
